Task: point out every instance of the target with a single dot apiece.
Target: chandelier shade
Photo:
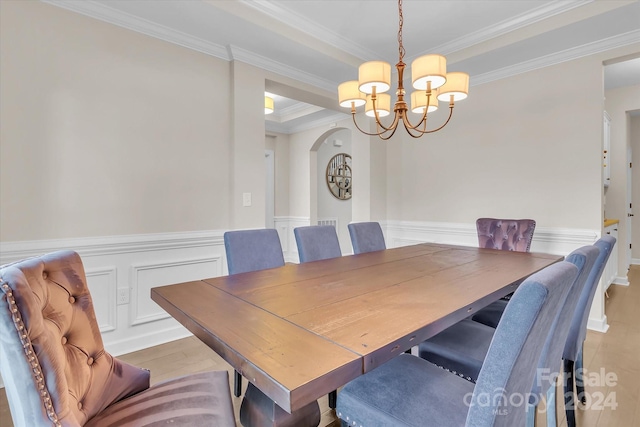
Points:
(383, 105)
(348, 92)
(457, 85)
(419, 102)
(428, 76)
(429, 68)
(268, 105)
(374, 76)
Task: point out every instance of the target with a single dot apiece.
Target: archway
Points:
(324, 207)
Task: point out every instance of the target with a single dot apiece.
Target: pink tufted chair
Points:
(505, 234)
(57, 372)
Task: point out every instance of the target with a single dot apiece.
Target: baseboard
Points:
(598, 325)
(635, 261)
(621, 280)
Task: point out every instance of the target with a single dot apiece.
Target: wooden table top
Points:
(300, 331)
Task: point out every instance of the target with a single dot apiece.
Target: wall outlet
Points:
(123, 296)
(246, 199)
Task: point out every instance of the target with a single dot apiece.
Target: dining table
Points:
(300, 331)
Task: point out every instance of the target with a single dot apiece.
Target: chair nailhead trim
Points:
(28, 350)
(460, 374)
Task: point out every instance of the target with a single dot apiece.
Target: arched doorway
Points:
(325, 207)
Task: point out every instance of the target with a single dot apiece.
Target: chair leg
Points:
(569, 401)
(551, 407)
(582, 397)
(333, 399)
(237, 384)
(531, 415)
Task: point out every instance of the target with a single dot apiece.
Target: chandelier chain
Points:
(401, 50)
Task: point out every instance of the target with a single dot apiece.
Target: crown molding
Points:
(295, 111)
(294, 20)
(538, 14)
(121, 19)
(558, 57)
(251, 58)
(107, 14)
(300, 23)
(271, 126)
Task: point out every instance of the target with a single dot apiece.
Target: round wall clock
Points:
(338, 176)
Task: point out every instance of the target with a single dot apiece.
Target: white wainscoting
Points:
(130, 266)
(136, 263)
(285, 225)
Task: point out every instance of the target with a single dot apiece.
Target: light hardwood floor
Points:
(616, 353)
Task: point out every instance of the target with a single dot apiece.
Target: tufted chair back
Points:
(54, 365)
(505, 234)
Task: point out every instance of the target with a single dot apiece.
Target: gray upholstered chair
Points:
(57, 372)
(251, 250)
(409, 391)
(366, 237)
(506, 235)
(462, 347)
(317, 242)
(572, 354)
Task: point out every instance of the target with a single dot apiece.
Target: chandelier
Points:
(268, 105)
(429, 77)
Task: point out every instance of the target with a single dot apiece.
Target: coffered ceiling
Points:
(322, 42)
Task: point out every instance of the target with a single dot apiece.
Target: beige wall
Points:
(527, 146)
(106, 131)
(279, 143)
(617, 103)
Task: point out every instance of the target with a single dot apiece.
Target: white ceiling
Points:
(322, 42)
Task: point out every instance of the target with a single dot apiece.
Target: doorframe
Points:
(270, 196)
(629, 203)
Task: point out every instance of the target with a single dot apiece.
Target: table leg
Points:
(257, 410)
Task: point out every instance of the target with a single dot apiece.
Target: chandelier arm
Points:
(444, 124)
(409, 128)
(425, 131)
(385, 138)
(377, 117)
(423, 120)
(353, 115)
